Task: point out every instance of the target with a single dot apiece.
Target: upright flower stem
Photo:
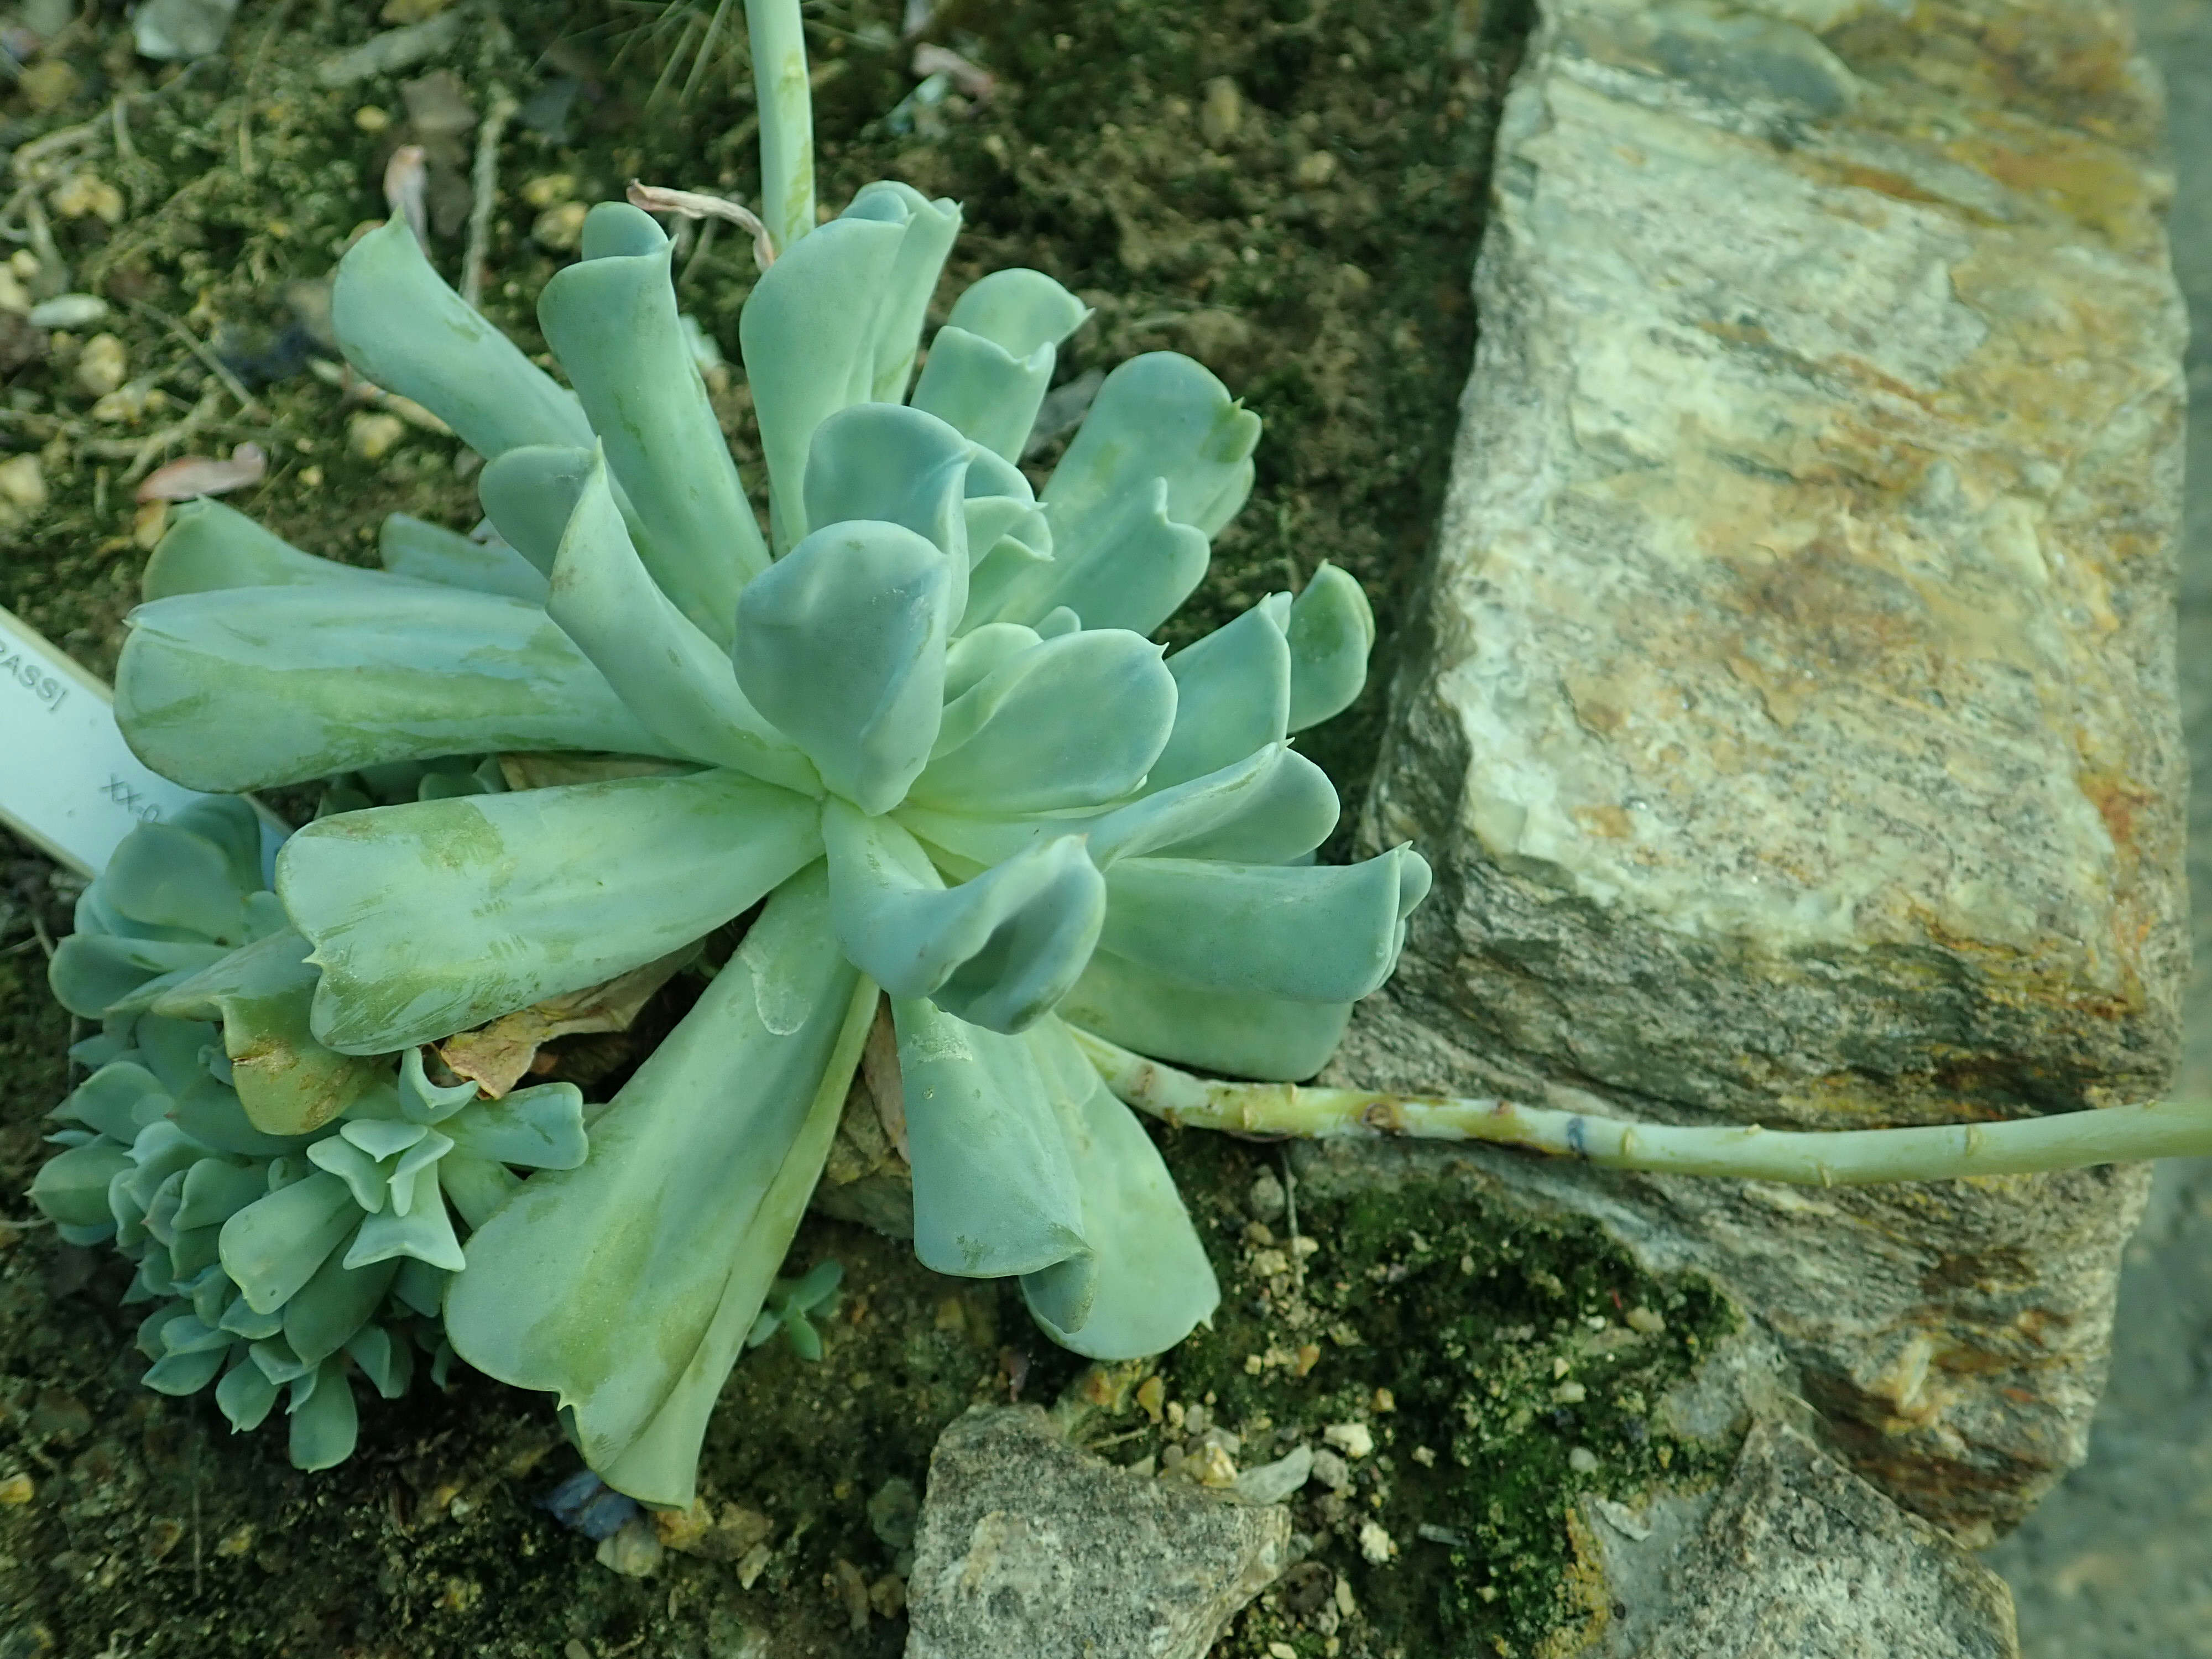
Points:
(786, 119)
(1841, 1157)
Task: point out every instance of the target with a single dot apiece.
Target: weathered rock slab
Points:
(1030, 1547)
(1795, 1558)
(1792, 720)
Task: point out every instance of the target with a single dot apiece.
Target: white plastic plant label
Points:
(68, 782)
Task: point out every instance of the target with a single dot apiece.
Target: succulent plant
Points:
(931, 738)
(277, 1260)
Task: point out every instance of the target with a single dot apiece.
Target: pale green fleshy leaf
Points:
(994, 1191)
(188, 1334)
(239, 1319)
(1301, 933)
(71, 1189)
(333, 1305)
(422, 1100)
(192, 1251)
(976, 652)
(184, 1373)
(246, 1396)
(90, 973)
(539, 1128)
(1331, 632)
(217, 1189)
(351, 1164)
(1030, 736)
(324, 1422)
(1232, 693)
(612, 322)
(1197, 806)
(173, 1050)
(335, 686)
(160, 1201)
(210, 546)
(1225, 1031)
(425, 1231)
(387, 1363)
(161, 1153)
(529, 495)
(287, 1083)
(897, 466)
(212, 1293)
(477, 1187)
(1129, 566)
(807, 333)
(990, 365)
(985, 391)
(210, 1112)
(426, 552)
(1160, 416)
(401, 326)
(697, 1176)
(678, 681)
(841, 646)
(615, 230)
(277, 1361)
(120, 1099)
(421, 1286)
(561, 889)
(998, 950)
(147, 1337)
(234, 826)
(273, 1246)
(1002, 510)
(929, 229)
(1145, 1283)
(1293, 811)
(171, 878)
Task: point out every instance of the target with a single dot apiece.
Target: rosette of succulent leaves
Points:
(928, 736)
(287, 1206)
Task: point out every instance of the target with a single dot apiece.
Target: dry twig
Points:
(484, 184)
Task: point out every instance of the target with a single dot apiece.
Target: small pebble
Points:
(634, 1551)
(1570, 1394)
(1222, 112)
(22, 482)
(370, 119)
(754, 1563)
(1425, 1457)
(1583, 1461)
(69, 310)
(14, 296)
(1267, 1200)
(48, 84)
(102, 366)
(559, 229)
(88, 196)
(1211, 1466)
(1151, 1394)
(1354, 1440)
(1331, 1471)
(1304, 1245)
(1316, 170)
(372, 436)
(1644, 1322)
(1196, 1420)
(1377, 1545)
(1309, 1357)
(1385, 1400)
(1271, 1483)
(16, 1491)
(549, 190)
(236, 1541)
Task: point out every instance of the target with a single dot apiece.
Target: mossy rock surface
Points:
(1291, 193)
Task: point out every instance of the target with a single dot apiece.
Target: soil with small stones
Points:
(1290, 190)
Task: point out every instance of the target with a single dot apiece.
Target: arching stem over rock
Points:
(1845, 1157)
